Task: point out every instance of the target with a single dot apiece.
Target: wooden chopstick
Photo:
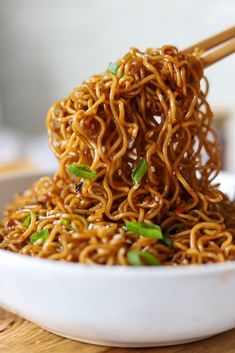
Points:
(213, 41)
(219, 54)
(224, 50)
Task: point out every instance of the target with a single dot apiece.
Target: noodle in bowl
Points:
(117, 305)
(142, 233)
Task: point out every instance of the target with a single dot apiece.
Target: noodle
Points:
(151, 110)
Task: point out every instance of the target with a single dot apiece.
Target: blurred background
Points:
(49, 47)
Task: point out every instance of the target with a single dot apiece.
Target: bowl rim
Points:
(19, 260)
(11, 259)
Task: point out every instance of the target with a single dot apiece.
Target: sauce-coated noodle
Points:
(151, 110)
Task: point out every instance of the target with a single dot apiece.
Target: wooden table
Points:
(22, 165)
(21, 336)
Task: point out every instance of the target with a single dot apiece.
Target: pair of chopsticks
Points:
(226, 41)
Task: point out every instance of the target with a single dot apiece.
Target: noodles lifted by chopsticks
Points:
(137, 156)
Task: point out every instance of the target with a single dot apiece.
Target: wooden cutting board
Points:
(21, 336)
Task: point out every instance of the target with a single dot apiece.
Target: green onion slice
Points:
(41, 235)
(139, 172)
(82, 171)
(64, 221)
(27, 220)
(145, 229)
(168, 241)
(141, 258)
(113, 68)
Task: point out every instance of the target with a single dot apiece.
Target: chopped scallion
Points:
(145, 229)
(168, 241)
(64, 221)
(27, 220)
(41, 235)
(141, 258)
(113, 68)
(139, 171)
(82, 171)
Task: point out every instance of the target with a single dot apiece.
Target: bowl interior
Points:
(16, 183)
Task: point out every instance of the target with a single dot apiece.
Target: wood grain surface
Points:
(22, 165)
(21, 336)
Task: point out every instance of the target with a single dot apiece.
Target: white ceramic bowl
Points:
(117, 306)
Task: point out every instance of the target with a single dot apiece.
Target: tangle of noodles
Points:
(151, 108)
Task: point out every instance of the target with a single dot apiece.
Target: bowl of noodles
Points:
(131, 242)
